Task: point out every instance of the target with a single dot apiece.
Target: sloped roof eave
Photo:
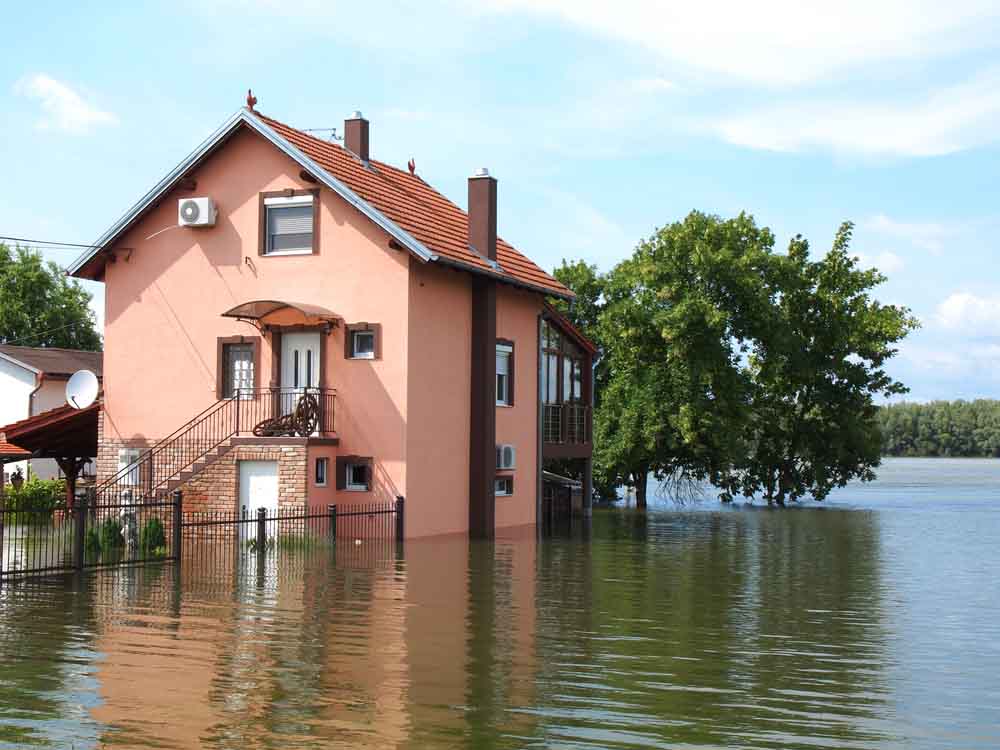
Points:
(245, 117)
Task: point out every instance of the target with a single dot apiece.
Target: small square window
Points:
(322, 465)
(363, 344)
(503, 486)
(357, 477)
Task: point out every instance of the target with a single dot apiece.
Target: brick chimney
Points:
(356, 136)
(483, 213)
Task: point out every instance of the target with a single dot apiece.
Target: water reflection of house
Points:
(391, 654)
(299, 268)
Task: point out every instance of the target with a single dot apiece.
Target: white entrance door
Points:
(299, 367)
(258, 489)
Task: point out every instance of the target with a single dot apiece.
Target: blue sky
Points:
(602, 121)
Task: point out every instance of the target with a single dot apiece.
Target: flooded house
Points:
(305, 325)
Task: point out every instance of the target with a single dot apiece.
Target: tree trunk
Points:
(641, 480)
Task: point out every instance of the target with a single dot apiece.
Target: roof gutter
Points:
(503, 278)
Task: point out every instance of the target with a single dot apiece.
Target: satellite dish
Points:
(82, 388)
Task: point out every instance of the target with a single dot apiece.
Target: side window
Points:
(503, 486)
(322, 468)
(505, 373)
(363, 341)
(127, 457)
(354, 473)
(288, 220)
(237, 366)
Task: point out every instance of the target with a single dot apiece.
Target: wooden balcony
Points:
(566, 430)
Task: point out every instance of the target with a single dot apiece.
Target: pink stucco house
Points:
(290, 322)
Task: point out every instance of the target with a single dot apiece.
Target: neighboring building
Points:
(271, 264)
(32, 381)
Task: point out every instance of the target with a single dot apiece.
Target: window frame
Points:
(507, 346)
(507, 479)
(344, 464)
(323, 461)
(289, 194)
(126, 480)
(222, 342)
(373, 328)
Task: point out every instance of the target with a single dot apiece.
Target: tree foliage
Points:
(725, 360)
(39, 306)
(941, 428)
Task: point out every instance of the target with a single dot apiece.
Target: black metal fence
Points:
(95, 535)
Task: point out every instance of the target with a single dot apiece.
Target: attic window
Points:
(288, 222)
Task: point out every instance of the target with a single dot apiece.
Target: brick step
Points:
(198, 466)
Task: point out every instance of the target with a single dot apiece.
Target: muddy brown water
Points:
(870, 622)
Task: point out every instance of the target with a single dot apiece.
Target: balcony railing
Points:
(566, 423)
(266, 412)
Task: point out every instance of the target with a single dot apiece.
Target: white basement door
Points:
(259, 489)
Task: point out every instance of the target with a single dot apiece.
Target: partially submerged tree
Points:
(726, 361)
(39, 306)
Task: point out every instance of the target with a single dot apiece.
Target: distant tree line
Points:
(941, 428)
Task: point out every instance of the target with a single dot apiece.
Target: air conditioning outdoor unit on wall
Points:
(505, 457)
(196, 212)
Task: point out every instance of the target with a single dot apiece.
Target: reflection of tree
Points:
(713, 629)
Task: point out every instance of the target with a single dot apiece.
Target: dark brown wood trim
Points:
(349, 330)
(342, 463)
(483, 411)
(220, 361)
(275, 357)
(512, 368)
(262, 216)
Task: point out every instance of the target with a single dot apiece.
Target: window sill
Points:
(356, 489)
(279, 253)
(505, 406)
(362, 359)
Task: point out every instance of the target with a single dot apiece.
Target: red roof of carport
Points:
(63, 432)
(11, 452)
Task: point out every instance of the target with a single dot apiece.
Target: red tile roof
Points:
(53, 361)
(9, 451)
(416, 207)
(63, 431)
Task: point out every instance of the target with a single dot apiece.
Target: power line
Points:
(52, 243)
(16, 342)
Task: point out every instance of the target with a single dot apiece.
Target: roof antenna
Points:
(412, 166)
(251, 100)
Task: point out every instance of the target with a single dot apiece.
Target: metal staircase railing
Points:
(147, 477)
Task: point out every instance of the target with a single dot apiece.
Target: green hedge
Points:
(36, 495)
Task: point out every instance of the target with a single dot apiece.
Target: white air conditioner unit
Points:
(505, 457)
(196, 212)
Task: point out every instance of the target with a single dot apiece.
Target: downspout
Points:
(40, 379)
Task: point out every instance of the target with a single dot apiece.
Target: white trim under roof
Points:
(246, 117)
(19, 363)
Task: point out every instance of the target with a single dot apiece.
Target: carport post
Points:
(79, 529)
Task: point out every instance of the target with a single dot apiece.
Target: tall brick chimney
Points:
(483, 213)
(356, 136)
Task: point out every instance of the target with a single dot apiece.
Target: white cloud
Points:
(886, 262)
(656, 85)
(969, 313)
(779, 42)
(927, 235)
(942, 122)
(64, 109)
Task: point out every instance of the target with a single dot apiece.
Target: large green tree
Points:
(725, 360)
(40, 306)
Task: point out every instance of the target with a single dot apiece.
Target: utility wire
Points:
(48, 242)
(16, 342)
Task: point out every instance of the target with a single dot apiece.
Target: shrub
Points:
(152, 537)
(110, 535)
(39, 495)
(92, 545)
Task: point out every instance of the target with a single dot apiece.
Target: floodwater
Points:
(872, 621)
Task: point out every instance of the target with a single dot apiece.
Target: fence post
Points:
(261, 528)
(332, 513)
(79, 529)
(178, 497)
(400, 502)
(1, 519)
